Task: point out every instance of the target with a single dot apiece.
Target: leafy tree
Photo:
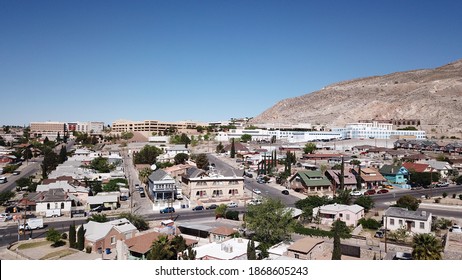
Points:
(126, 135)
(27, 154)
(309, 148)
(23, 182)
(62, 154)
(147, 155)
(426, 247)
(46, 140)
(459, 180)
(114, 185)
(54, 236)
(340, 231)
(181, 158)
(271, 221)
(98, 218)
(355, 162)
(343, 197)
(424, 178)
(185, 139)
(220, 210)
(409, 202)
(220, 148)
(365, 201)
(49, 163)
(370, 223)
(80, 238)
(313, 201)
(251, 253)
(202, 162)
(5, 196)
(246, 138)
(138, 221)
(233, 149)
(72, 236)
(101, 165)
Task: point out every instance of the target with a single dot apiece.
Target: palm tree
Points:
(426, 247)
(161, 249)
(144, 174)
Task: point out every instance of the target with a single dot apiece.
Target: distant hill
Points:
(432, 95)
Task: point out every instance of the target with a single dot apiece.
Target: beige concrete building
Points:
(151, 126)
(47, 129)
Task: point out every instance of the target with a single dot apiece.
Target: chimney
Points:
(424, 213)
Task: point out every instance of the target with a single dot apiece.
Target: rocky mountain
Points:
(434, 96)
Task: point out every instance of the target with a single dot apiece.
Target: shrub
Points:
(232, 215)
(437, 200)
(454, 195)
(445, 195)
(460, 196)
(64, 235)
(88, 249)
(370, 223)
(312, 231)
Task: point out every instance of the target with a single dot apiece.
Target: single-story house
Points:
(222, 233)
(413, 221)
(232, 249)
(350, 214)
(308, 248)
(105, 199)
(105, 235)
(52, 199)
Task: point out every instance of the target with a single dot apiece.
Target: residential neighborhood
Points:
(213, 195)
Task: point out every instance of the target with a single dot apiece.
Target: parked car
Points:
(100, 208)
(286, 192)
(256, 191)
(388, 187)
(356, 193)
(5, 217)
(16, 172)
(442, 185)
(456, 229)
(211, 207)
(382, 191)
(198, 208)
(142, 194)
(167, 210)
(369, 192)
(255, 202)
(232, 205)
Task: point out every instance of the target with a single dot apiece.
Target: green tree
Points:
(72, 236)
(309, 148)
(220, 148)
(161, 249)
(221, 210)
(365, 201)
(202, 162)
(233, 149)
(147, 155)
(127, 135)
(81, 238)
(23, 183)
(58, 137)
(271, 221)
(246, 138)
(313, 201)
(114, 185)
(343, 197)
(5, 196)
(62, 154)
(101, 165)
(251, 252)
(426, 247)
(49, 163)
(27, 154)
(138, 221)
(98, 218)
(54, 236)
(340, 231)
(424, 178)
(181, 158)
(184, 139)
(409, 202)
(144, 174)
(190, 254)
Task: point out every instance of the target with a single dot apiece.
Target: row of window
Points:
(217, 183)
(216, 193)
(401, 223)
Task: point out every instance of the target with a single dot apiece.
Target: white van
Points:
(3, 180)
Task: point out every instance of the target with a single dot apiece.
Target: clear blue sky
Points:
(204, 60)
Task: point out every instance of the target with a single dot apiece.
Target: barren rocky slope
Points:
(432, 95)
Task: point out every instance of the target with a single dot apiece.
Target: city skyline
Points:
(204, 60)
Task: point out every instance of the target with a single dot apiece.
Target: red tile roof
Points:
(416, 167)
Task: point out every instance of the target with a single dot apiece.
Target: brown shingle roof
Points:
(416, 167)
(305, 245)
(142, 243)
(225, 231)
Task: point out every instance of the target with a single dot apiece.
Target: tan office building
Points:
(150, 126)
(47, 129)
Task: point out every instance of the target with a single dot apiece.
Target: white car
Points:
(356, 193)
(255, 202)
(256, 191)
(6, 217)
(455, 229)
(232, 205)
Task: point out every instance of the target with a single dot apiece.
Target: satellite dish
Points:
(153, 167)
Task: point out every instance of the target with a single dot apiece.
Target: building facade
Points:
(377, 130)
(151, 126)
(47, 129)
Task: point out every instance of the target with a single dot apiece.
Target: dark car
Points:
(369, 192)
(167, 210)
(143, 194)
(198, 208)
(212, 206)
(382, 191)
(286, 192)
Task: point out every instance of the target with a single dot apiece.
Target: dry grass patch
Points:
(33, 245)
(58, 254)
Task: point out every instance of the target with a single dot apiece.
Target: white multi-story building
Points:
(376, 130)
(287, 135)
(86, 127)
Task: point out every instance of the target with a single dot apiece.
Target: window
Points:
(392, 222)
(422, 225)
(400, 222)
(297, 256)
(348, 217)
(62, 205)
(48, 206)
(113, 240)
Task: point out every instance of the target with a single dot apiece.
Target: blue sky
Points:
(204, 60)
